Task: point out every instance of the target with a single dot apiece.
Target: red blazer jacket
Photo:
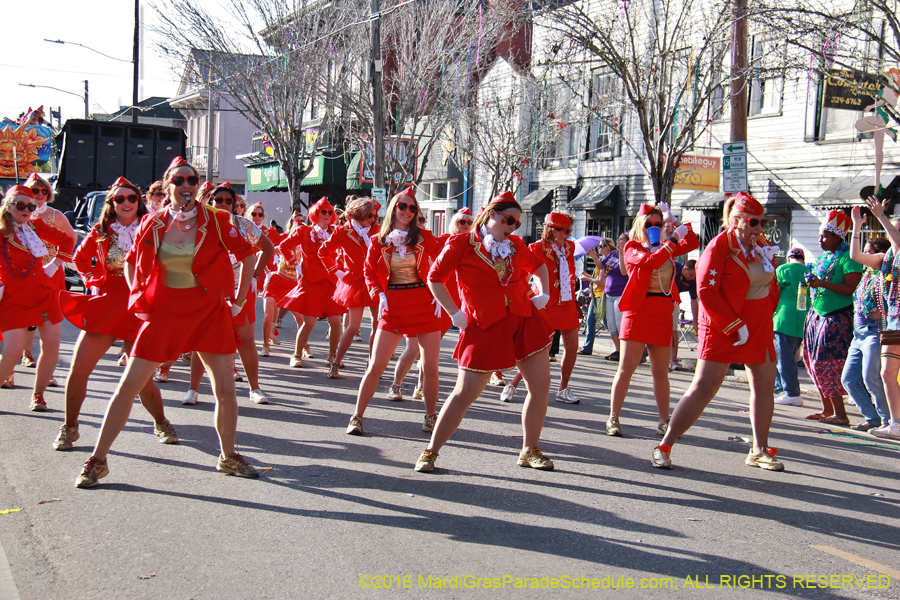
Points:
(352, 250)
(723, 279)
(544, 251)
(640, 265)
(377, 269)
(12, 275)
(484, 296)
(215, 238)
(314, 269)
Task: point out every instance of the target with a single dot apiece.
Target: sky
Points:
(106, 26)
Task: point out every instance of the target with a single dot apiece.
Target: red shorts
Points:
(106, 314)
(411, 312)
(184, 320)
(562, 316)
(650, 324)
(312, 299)
(248, 313)
(503, 344)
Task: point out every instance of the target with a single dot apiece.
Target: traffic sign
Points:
(734, 148)
(379, 195)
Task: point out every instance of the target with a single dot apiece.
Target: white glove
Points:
(681, 231)
(743, 336)
(460, 320)
(382, 304)
(51, 268)
(667, 213)
(340, 274)
(236, 310)
(95, 291)
(540, 301)
(437, 308)
(769, 252)
(252, 286)
(1, 292)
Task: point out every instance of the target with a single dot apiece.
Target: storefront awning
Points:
(269, 177)
(353, 182)
(534, 198)
(701, 200)
(842, 192)
(593, 195)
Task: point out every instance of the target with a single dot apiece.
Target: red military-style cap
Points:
(747, 204)
(18, 190)
(559, 220)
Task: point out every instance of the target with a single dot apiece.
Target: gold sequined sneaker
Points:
(236, 465)
(535, 459)
(38, 404)
(395, 393)
(661, 457)
(165, 432)
(764, 459)
(613, 428)
(418, 393)
(161, 375)
(65, 437)
(93, 470)
(428, 424)
(425, 464)
(355, 427)
(28, 359)
(663, 427)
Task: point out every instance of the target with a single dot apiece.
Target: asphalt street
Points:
(336, 516)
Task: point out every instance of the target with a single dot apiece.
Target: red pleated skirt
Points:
(411, 312)
(278, 287)
(562, 316)
(353, 294)
(106, 314)
(184, 320)
(312, 299)
(29, 307)
(650, 324)
(719, 347)
(248, 313)
(503, 344)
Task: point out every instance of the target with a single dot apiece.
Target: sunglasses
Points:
(507, 220)
(226, 200)
(256, 214)
(754, 222)
(159, 194)
(465, 222)
(422, 219)
(29, 207)
(191, 180)
(132, 198)
(410, 207)
(41, 191)
(327, 213)
(648, 224)
(568, 230)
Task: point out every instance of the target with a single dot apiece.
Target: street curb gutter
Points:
(8, 589)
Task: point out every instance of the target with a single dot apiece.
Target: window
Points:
(827, 124)
(765, 91)
(559, 101)
(604, 137)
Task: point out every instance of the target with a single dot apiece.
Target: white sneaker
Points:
(258, 397)
(891, 432)
(190, 397)
(357, 338)
(567, 397)
(508, 392)
(498, 381)
(789, 400)
(418, 393)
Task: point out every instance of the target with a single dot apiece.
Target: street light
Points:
(50, 87)
(87, 48)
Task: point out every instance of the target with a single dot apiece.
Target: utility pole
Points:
(377, 124)
(738, 74)
(210, 131)
(86, 103)
(136, 57)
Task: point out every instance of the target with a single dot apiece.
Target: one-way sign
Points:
(734, 148)
(734, 167)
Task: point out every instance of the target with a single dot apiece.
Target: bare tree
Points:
(275, 60)
(661, 67)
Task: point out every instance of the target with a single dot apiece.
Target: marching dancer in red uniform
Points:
(28, 295)
(647, 305)
(258, 216)
(279, 283)
(499, 321)
(223, 197)
(313, 296)
(181, 280)
(738, 294)
(43, 197)
(352, 240)
(103, 316)
(156, 194)
(396, 269)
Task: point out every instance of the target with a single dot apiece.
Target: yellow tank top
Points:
(403, 270)
(759, 281)
(176, 261)
(661, 280)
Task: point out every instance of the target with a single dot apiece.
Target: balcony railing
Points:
(199, 157)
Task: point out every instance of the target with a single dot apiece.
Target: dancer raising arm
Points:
(181, 283)
(499, 321)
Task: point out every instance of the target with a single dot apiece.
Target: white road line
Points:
(8, 589)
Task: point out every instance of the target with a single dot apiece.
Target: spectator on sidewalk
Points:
(829, 325)
(686, 280)
(597, 279)
(615, 279)
(788, 325)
